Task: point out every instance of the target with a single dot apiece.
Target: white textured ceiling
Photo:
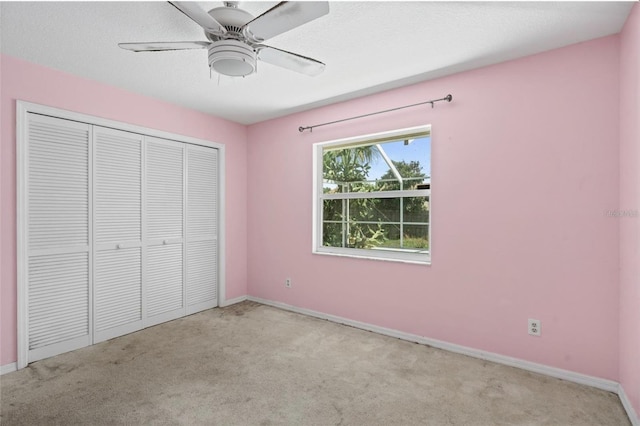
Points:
(367, 46)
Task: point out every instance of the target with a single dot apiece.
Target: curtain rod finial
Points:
(449, 98)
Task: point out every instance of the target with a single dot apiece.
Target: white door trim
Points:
(22, 170)
(22, 110)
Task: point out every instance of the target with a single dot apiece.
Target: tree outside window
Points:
(377, 196)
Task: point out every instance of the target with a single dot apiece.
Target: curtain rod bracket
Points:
(447, 98)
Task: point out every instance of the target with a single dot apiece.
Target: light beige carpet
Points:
(251, 364)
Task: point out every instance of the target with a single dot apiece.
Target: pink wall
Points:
(524, 164)
(630, 200)
(33, 83)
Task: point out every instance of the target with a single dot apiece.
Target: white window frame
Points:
(397, 255)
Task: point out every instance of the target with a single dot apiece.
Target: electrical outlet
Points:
(535, 327)
(287, 283)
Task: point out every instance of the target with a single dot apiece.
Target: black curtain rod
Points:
(447, 98)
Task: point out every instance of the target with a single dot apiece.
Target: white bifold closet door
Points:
(57, 264)
(118, 299)
(120, 233)
(202, 231)
(164, 241)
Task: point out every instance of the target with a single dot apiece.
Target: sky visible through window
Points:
(418, 150)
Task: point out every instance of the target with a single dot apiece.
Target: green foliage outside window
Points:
(348, 169)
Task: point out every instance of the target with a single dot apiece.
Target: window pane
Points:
(407, 183)
(361, 186)
(389, 166)
(374, 209)
(330, 187)
(416, 236)
(342, 167)
(332, 234)
(391, 236)
(410, 164)
(376, 223)
(416, 209)
(333, 209)
(376, 236)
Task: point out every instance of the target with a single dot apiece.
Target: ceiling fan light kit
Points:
(235, 36)
(232, 58)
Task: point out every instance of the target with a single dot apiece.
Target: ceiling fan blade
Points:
(199, 16)
(290, 61)
(157, 46)
(283, 17)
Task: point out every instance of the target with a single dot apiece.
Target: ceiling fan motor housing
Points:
(229, 54)
(232, 57)
(232, 19)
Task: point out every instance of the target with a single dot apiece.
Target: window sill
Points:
(411, 258)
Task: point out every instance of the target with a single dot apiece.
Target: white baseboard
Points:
(233, 301)
(8, 368)
(631, 412)
(583, 379)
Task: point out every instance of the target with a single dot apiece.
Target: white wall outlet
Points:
(534, 327)
(287, 282)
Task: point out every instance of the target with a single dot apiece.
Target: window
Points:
(372, 196)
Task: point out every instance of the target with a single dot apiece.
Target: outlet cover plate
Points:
(535, 327)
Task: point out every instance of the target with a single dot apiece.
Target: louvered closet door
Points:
(57, 275)
(165, 181)
(118, 298)
(202, 228)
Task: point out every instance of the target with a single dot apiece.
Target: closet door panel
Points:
(202, 267)
(117, 294)
(165, 190)
(57, 236)
(165, 182)
(202, 192)
(118, 287)
(164, 280)
(118, 187)
(58, 304)
(58, 298)
(58, 183)
(202, 232)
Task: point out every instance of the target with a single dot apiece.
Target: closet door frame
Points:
(23, 108)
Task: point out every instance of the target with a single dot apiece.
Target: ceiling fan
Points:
(236, 37)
